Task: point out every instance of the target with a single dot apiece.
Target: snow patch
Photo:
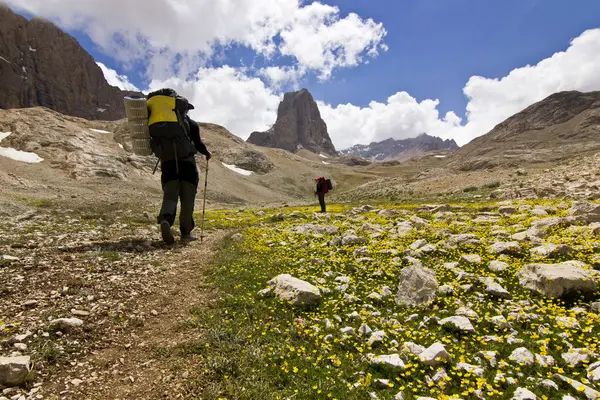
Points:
(99, 131)
(101, 110)
(326, 163)
(24, 69)
(121, 146)
(323, 156)
(32, 49)
(240, 171)
(4, 59)
(18, 155)
(440, 156)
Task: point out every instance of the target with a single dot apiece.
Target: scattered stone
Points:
(575, 357)
(382, 383)
(557, 280)
(80, 313)
(30, 304)
(418, 287)
(551, 250)
(445, 289)
(297, 292)
(353, 239)
(549, 384)
(589, 393)
(524, 394)
(545, 361)
(590, 212)
(467, 312)
(440, 375)
(567, 322)
(470, 259)
(498, 266)
(237, 238)
(507, 210)
(365, 330)
(376, 338)
(412, 348)
(458, 323)
(495, 289)
(348, 331)
(509, 248)
(391, 362)
(435, 355)
(464, 239)
(522, 356)
(319, 229)
(490, 357)
(66, 324)
(20, 346)
(418, 222)
(14, 370)
(472, 369)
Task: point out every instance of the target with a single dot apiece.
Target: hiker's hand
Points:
(208, 156)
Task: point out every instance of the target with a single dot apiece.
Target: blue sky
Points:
(434, 48)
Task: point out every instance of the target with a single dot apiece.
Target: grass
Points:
(251, 348)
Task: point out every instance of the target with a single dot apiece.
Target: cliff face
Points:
(40, 65)
(299, 126)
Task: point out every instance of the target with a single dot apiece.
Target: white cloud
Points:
(400, 117)
(316, 36)
(227, 96)
(279, 77)
(490, 101)
(114, 79)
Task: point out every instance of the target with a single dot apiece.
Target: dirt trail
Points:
(140, 364)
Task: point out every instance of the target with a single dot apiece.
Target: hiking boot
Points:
(188, 237)
(165, 231)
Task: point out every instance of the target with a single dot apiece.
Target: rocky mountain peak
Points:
(299, 126)
(40, 65)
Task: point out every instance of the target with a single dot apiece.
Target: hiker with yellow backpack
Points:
(175, 139)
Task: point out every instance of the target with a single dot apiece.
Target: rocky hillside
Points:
(561, 126)
(392, 149)
(299, 126)
(47, 156)
(40, 65)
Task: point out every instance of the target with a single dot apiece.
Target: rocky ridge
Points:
(559, 127)
(392, 149)
(40, 65)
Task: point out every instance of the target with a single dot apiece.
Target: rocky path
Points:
(97, 307)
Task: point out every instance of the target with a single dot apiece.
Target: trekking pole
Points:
(204, 203)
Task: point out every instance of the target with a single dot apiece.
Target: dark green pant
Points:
(179, 183)
(322, 202)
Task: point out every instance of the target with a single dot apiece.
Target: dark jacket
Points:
(194, 134)
(321, 186)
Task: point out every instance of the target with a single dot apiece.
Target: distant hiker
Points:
(175, 139)
(323, 187)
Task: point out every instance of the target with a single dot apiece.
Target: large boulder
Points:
(295, 291)
(557, 280)
(590, 212)
(417, 287)
(14, 370)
